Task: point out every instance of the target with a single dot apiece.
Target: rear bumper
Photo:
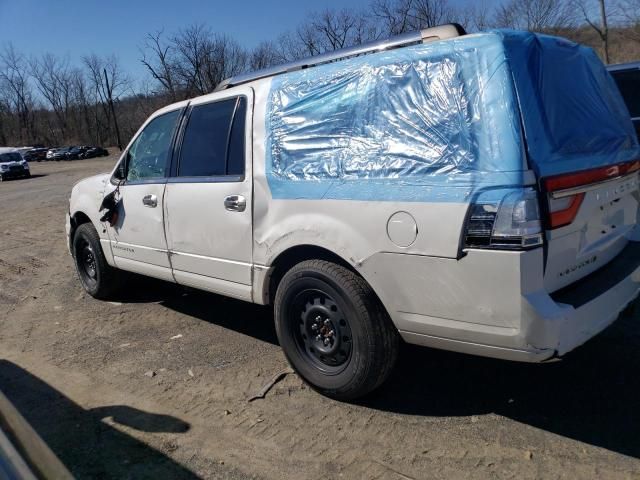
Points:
(596, 301)
(494, 304)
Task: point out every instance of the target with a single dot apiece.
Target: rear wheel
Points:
(333, 329)
(98, 278)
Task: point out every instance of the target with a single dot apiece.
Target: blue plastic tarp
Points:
(431, 119)
(442, 121)
(573, 114)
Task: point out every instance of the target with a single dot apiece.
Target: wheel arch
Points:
(293, 255)
(77, 219)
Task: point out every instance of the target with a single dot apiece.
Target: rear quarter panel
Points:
(352, 229)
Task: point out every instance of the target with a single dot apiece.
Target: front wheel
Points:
(98, 278)
(333, 329)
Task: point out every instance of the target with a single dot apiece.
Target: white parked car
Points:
(12, 165)
(475, 193)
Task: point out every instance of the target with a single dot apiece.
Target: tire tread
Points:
(383, 336)
(109, 280)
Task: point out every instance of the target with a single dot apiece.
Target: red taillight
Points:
(579, 179)
(564, 206)
(564, 216)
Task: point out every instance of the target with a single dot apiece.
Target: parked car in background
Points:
(22, 150)
(12, 165)
(92, 152)
(35, 154)
(627, 76)
(58, 154)
(76, 152)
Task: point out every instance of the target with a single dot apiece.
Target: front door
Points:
(209, 197)
(137, 238)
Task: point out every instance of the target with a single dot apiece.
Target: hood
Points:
(95, 184)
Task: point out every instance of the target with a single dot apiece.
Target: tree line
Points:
(50, 100)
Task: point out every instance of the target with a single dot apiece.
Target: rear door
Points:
(208, 200)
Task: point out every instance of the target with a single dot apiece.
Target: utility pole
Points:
(113, 111)
(605, 32)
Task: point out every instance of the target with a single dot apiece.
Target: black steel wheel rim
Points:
(87, 262)
(321, 331)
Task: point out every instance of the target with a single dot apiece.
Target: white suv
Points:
(475, 193)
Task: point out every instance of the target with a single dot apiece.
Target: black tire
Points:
(334, 330)
(98, 278)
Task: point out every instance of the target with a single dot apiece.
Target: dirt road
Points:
(155, 385)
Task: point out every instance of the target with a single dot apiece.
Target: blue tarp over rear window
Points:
(442, 121)
(438, 119)
(574, 116)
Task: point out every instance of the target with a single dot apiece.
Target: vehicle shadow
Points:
(33, 175)
(243, 317)
(592, 395)
(80, 438)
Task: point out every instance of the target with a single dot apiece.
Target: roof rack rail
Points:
(441, 32)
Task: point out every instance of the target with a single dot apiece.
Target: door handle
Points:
(235, 203)
(150, 201)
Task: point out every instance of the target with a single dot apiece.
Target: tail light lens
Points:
(563, 210)
(565, 192)
(511, 222)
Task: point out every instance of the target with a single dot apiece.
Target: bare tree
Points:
(264, 55)
(477, 16)
(158, 57)
(326, 31)
(204, 59)
(16, 90)
(586, 12)
(54, 81)
(630, 16)
(109, 82)
(399, 16)
(534, 15)
(226, 59)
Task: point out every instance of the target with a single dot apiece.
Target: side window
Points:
(149, 153)
(628, 82)
(213, 143)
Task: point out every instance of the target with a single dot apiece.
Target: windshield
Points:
(10, 157)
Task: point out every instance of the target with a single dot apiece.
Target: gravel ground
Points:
(155, 384)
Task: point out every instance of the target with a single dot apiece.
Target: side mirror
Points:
(121, 172)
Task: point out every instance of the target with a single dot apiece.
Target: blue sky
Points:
(78, 27)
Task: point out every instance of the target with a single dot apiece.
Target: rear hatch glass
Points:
(582, 145)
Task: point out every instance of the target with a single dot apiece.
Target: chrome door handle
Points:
(150, 201)
(235, 203)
